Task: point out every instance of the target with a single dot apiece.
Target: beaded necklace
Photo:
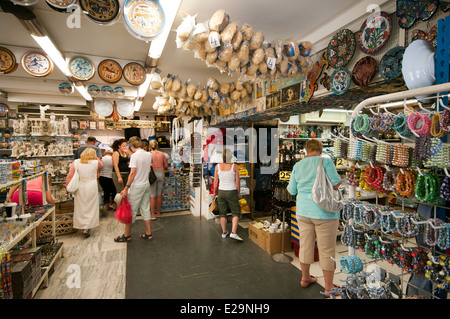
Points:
(405, 183)
(444, 237)
(405, 227)
(361, 123)
(445, 121)
(370, 215)
(401, 155)
(387, 223)
(422, 148)
(444, 191)
(337, 148)
(431, 234)
(427, 188)
(414, 118)
(401, 125)
(436, 129)
(386, 124)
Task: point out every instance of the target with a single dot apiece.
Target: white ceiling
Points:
(284, 19)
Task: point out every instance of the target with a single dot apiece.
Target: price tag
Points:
(341, 163)
(358, 194)
(271, 63)
(285, 176)
(214, 40)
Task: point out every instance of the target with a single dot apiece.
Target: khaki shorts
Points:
(228, 199)
(325, 231)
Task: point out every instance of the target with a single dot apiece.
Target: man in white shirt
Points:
(137, 189)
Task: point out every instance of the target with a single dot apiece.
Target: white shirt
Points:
(227, 179)
(107, 168)
(141, 160)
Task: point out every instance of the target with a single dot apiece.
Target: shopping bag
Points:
(323, 193)
(214, 207)
(72, 187)
(123, 212)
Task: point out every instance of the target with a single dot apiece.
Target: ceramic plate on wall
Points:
(144, 19)
(119, 91)
(93, 90)
(103, 108)
(7, 60)
(390, 67)
(340, 81)
(341, 48)
(106, 90)
(134, 73)
(409, 11)
(3, 109)
(65, 88)
(125, 108)
(81, 68)
(110, 71)
(364, 71)
(63, 6)
(374, 32)
(37, 63)
(105, 12)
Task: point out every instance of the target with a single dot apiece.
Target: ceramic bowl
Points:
(418, 65)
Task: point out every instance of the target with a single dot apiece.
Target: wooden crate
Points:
(62, 227)
(64, 207)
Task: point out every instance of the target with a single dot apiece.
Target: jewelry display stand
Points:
(281, 257)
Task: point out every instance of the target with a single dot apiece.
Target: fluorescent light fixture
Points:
(82, 90)
(137, 105)
(143, 88)
(335, 110)
(47, 45)
(170, 8)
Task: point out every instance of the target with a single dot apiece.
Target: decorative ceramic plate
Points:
(125, 108)
(390, 67)
(81, 68)
(3, 109)
(430, 37)
(93, 90)
(134, 73)
(409, 11)
(144, 19)
(341, 48)
(106, 91)
(7, 60)
(103, 12)
(374, 32)
(62, 5)
(119, 91)
(37, 63)
(340, 80)
(110, 71)
(364, 71)
(103, 108)
(65, 88)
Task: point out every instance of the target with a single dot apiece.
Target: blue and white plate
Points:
(340, 80)
(107, 91)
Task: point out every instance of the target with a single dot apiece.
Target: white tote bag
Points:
(72, 187)
(323, 193)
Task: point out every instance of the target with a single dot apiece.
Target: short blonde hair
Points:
(136, 143)
(314, 145)
(153, 144)
(88, 154)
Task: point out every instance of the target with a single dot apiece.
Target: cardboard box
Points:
(257, 235)
(274, 241)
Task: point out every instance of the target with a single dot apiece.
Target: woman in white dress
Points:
(86, 202)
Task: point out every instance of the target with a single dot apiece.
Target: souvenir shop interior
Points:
(369, 79)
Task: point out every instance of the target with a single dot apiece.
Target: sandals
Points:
(306, 283)
(146, 237)
(86, 233)
(336, 293)
(122, 239)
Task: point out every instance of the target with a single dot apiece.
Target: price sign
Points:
(285, 175)
(341, 163)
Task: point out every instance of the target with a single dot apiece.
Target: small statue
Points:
(42, 110)
(53, 125)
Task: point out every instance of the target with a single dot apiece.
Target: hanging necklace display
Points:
(105, 12)
(63, 6)
(37, 63)
(93, 90)
(125, 108)
(81, 68)
(144, 19)
(109, 71)
(134, 73)
(7, 61)
(341, 48)
(374, 32)
(103, 108)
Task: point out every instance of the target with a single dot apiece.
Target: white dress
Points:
(86, 202)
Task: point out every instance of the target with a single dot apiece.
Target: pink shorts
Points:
(34, 198)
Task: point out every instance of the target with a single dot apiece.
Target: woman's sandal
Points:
(122, 239)
(336, 293)
(306, 283)
(86, 233)
(146, 237)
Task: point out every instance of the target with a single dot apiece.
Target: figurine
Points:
(42, 110)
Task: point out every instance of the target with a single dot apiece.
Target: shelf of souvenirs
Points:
(8, 245)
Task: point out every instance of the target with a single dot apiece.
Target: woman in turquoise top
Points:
(314, 223)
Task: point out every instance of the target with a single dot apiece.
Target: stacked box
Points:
(6, 169)
(33, 255)
(15, 171)
(22, 280)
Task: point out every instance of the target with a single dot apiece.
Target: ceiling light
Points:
(170, 8)
(143, 88)
(47, 45)
(137, 105)
(82, 90)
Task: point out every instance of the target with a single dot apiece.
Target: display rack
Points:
(31, 228)
(402, 99)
